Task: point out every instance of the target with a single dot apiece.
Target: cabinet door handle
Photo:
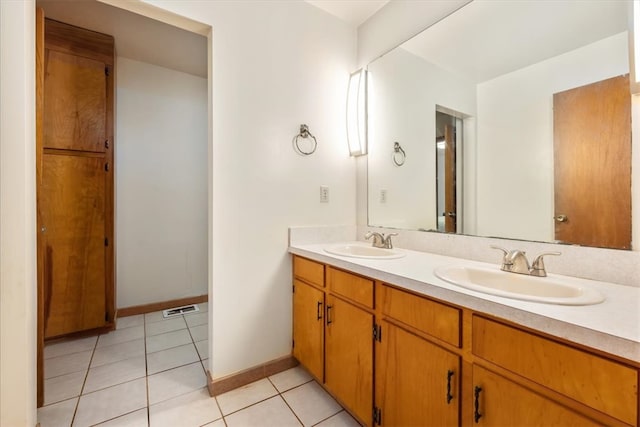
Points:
(329, 307)
(449, 395)
(476, 404)
(319, 311)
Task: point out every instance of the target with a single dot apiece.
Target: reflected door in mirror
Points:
(592, 156)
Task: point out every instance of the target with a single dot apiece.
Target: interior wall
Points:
(515, 137)
(403, 111)
(398, 21)
(287, 63)
(161, 183)
(17, 214)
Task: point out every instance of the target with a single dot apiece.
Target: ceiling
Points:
(487, 38)
(136, 37)
(354, 12)
(147, 40)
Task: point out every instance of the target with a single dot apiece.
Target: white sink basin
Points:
(551, 290)
(362, 251)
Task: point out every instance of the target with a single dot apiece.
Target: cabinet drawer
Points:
(356, 288)
(597, 382)
(307, 270)
(432, 318)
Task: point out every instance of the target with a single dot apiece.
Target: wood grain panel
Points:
(411, 381)
(308, 328)
(75, 104)
(438, 320)
(349, 356)
(72, 205)
(602, 384)
(592, 164)
(309, 271)
(79, 41)
(505, 403)
(356, 288)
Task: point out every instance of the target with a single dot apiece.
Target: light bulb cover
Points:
(357, 113)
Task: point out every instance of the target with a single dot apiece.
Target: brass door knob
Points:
(561, 218)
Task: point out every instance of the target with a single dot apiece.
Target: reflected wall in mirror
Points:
(496, 74)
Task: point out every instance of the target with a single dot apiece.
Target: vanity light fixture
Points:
(357, 113)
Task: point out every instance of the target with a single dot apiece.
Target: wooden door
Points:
(417, 382)
(74, 155)
(308, 328)
(72, 206)
(40, 237)
(450, 215)
(592, 164)
(501, 402)
(349, 356)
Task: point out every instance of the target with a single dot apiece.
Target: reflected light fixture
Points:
(357, 113)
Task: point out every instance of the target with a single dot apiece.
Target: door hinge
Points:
(377, 333)
(293, 289)
(377, 415)
(106, 241)
(106, 167)
(106, 143)
(106, 71)
(293, 343)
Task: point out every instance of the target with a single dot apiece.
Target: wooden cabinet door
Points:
(75, 102)
(417, 382)
(501, 402)
(349, 356)
(308, 328)
(72, 209)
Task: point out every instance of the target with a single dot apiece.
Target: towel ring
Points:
(399, 156)
(305, 134)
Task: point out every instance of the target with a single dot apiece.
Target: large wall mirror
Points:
(514, 121)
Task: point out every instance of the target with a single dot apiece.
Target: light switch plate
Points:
(324, 194)
(383, 196)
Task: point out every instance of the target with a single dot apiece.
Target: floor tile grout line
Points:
(330, 416)
(249, 406)
(291, 409)
(146, 368)
(86, 375)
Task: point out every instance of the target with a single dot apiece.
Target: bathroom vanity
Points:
(400, 349)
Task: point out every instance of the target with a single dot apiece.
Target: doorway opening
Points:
(155, 170)
(448, 146)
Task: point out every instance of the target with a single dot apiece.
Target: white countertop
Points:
(612, 326)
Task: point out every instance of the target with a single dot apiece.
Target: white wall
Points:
(276, 65)
(161, 183)
(398, 21)
(515, 137)
(17, 214)
(401, 110)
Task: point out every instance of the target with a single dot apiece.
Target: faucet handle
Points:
(537, 267)
(387, 240)
(504, 251)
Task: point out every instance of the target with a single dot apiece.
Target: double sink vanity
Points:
(404, 338)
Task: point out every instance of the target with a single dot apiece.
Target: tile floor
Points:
(150, 371)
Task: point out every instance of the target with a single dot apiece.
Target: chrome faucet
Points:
(379, 240)
(516, 261)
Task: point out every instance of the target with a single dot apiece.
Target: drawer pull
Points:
(449, 395)
(329, 307)
(319, 311)
(476, 404)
